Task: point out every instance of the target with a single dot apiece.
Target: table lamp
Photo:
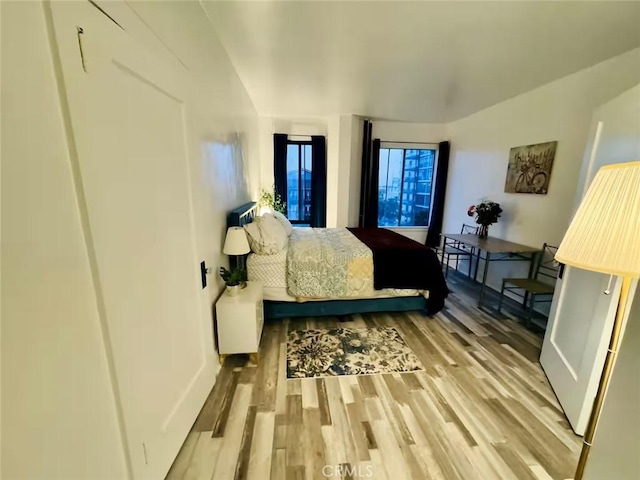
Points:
(236, 243)
(604, 236)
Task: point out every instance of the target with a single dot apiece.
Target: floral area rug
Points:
(348, 351)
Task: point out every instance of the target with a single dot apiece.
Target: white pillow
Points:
(276, 229)
(284, 221)
(266, 235)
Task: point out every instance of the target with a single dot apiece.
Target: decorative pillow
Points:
(266, 235)
(276, 229)
(284, 221)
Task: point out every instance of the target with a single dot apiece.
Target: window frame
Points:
(405, 146)
(299, 144)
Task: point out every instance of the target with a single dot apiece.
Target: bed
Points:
(392, 284)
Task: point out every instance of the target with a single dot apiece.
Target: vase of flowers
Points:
(486, 213)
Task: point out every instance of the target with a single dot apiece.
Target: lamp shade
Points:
(604, 235)
(236, 242)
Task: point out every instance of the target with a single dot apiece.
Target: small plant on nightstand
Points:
(234, 279)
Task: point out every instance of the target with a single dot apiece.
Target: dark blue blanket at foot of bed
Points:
(399, 262)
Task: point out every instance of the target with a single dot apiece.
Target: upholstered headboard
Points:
(242, 215)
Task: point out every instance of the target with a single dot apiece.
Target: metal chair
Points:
(545, 266)
(457, 249)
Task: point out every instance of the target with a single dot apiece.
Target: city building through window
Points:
(405, 186)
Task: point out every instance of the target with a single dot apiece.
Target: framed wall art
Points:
(529, 169)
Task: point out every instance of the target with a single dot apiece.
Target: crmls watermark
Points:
(347, 470)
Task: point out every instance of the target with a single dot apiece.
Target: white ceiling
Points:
(413, 61)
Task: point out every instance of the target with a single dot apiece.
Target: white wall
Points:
(349, 171)
(560, 111)
(388, 131)
(355, 171)
(58, 407)
(334, 181)
(614, 453)
(58, 412)
(619, 139)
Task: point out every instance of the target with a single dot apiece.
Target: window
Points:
(300, 178)
(299, 181)
(405, 186)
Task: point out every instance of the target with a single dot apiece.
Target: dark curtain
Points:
(371, 212)
(280, 164)
(318, 182)
(437, 211)
(369, 178)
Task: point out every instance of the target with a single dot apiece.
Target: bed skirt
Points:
(274, 310)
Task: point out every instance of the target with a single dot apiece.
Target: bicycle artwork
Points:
(529, 168)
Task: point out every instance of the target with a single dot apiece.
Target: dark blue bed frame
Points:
(274, 309)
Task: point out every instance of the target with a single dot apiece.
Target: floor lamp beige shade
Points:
(604, 236)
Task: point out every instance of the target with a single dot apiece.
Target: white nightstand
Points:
(240, 321)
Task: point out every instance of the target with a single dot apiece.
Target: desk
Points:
(495, 250)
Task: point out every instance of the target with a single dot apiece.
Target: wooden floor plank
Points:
(278, 464)
(181, 465)
(231, 443)
(220, 422)
(205, 457)
(242, 467)
(212, 407)
(314, 452)
(323, 404)
(340, 421)
(262, 445)
(515, 463)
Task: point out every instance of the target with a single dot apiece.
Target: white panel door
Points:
(127, 112)
(582, 314)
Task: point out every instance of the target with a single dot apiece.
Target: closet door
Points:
(127, 110)
(582, 314)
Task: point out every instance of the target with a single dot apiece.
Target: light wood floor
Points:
(483, 408)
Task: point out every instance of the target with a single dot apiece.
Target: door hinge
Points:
(144, 450)
(80, 33)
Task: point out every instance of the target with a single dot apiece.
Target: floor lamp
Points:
(604, 236)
